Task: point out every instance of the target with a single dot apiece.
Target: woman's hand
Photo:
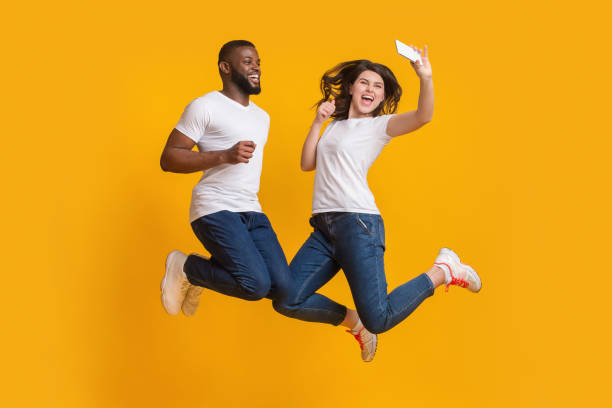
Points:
(410, 121)
(309, 150)
(423, 69)
(325, 111)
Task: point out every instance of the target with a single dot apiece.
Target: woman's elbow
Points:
(425, 120)
(307, 167)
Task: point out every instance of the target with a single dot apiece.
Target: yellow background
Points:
(513, 173)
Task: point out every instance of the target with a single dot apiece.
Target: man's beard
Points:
(243, 83)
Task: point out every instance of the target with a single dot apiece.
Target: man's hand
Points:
(241, 152)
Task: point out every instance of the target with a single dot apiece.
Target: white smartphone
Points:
(406, 51)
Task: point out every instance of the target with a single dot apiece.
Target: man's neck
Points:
(233, 92)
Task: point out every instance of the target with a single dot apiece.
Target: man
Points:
(230, 131)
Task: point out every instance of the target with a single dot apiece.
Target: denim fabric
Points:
(246, 259)
(354, 243)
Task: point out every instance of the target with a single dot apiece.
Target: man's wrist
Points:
(222, 156)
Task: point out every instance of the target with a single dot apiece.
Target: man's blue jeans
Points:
(354, 243)
(246, 259)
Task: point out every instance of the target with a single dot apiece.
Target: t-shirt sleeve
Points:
(194, 120)
(381, 128)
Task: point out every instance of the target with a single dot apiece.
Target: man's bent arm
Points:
(178, 156)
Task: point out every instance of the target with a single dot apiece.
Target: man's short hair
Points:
(231, 46)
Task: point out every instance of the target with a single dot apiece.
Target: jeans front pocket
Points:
(363, 225)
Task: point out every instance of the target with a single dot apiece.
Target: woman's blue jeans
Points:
(355, 243)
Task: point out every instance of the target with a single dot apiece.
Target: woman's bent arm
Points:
(309, 149)
(411, 121)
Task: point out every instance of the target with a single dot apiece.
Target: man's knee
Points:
(257, 289)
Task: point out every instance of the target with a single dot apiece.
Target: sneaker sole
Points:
(169, 260)
(375, 350)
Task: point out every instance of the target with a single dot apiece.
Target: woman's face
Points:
(367, 92)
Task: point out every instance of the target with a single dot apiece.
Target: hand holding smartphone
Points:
(406, 51)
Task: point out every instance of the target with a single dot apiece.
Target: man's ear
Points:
(225, 67)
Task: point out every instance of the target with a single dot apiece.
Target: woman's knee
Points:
(280, 306)
(374, 324)
(286, 307)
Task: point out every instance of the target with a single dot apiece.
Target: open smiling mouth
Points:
(367, 100)
(254, 78)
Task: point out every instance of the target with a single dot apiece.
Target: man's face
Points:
(245, 70)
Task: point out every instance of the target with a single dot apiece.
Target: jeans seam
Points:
(380, 305)
(416, 299)
(299, 295)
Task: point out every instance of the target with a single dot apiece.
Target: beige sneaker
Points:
(457, 273)
(368, 343)
(192, 298)
(175, 284)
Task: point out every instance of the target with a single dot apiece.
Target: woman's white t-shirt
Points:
(216, 122)
(345, 153)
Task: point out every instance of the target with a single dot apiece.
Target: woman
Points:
(349, 234)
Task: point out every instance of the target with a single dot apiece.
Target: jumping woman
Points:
(348, 232)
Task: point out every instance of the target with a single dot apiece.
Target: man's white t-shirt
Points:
(216, 122)
(345, 153)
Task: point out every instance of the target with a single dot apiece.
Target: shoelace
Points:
(357, 337)
(454, 280)
(457, 281)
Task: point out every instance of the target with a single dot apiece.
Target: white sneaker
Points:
(368, 343)
(175, 284)
(457, 273)
(192, 298)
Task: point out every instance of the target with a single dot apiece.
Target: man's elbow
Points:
(163, 162)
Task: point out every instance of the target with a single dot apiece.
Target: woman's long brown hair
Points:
(336, 82)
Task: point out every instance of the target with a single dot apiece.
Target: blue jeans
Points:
(354, 243)
(246, 261)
